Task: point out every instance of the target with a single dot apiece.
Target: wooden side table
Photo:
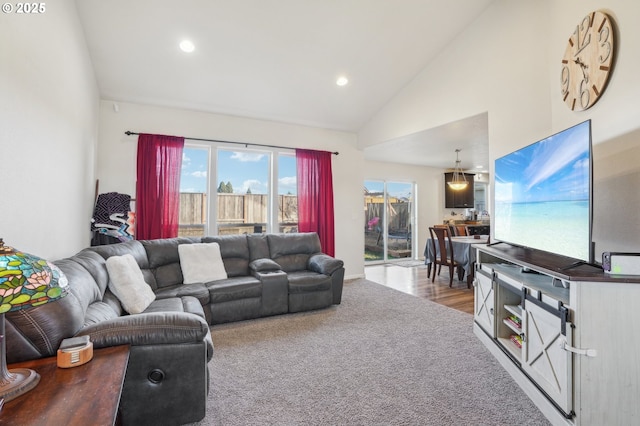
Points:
(88, 394)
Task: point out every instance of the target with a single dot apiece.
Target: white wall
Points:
(48, 132)
(615, 124)
(117, 157)
(507, 63)
(498, 65)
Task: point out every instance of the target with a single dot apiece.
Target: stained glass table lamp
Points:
(25, 281)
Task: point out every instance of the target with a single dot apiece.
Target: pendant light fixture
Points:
(458, 181)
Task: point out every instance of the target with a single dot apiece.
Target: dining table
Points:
(463, 252)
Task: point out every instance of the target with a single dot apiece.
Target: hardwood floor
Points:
(414, 280)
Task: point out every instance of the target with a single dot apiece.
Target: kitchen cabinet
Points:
(463, 198)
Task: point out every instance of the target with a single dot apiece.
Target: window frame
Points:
(211, 224)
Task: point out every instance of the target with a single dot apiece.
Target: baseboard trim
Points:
(354, 277)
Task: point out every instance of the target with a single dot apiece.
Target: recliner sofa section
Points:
(170, 342)
(268, 274)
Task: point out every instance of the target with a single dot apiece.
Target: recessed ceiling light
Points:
(187, 46)
(342, 81)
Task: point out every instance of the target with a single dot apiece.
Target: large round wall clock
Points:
(587, 61)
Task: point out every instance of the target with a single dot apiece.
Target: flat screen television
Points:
(543, 195)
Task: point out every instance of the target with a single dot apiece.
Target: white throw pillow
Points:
(127, 284)
(201, 263)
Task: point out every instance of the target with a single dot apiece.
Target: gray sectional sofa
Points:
(170, 343)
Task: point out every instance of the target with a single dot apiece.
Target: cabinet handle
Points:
(587, 352)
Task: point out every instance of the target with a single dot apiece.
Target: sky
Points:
(394, 189)
(553, 169)
(244, 169)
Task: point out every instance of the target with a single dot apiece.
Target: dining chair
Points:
(441, 238)
(437, 225)
(460, 230)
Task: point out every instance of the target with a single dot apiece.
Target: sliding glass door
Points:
(389, 219)
(374, 221)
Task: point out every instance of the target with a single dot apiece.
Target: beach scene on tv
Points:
(542, 194)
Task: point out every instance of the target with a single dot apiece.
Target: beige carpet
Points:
(382, 357)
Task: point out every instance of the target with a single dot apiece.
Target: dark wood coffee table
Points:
(88, 394)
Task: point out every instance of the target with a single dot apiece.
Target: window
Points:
(236, 191)
(193, 191)
(242, 192)
(287, 194)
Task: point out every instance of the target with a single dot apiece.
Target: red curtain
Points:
(315, 196)
(158, 186)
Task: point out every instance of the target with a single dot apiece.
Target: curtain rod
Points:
(246, 144)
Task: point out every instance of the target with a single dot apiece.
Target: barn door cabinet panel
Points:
(566, 334)
(484, 300)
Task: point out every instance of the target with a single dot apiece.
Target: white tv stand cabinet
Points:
(568, 335)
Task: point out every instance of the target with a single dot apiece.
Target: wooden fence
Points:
(237, 213)
(193, 208)
(399, 214)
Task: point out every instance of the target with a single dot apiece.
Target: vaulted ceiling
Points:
(269, 59)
